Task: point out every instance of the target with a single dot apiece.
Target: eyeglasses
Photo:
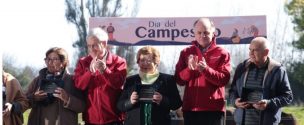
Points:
(50, 59)
(203, 34)
(95, 46)
(146, 61)
(255, 50)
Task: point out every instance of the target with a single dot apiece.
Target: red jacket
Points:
(102, 90)
(204, 91)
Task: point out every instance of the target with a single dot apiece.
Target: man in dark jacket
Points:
(260, 87)
(101, 74)
(204, 69)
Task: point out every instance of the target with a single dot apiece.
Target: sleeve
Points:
(19, 100)
(124, 103)
(233, 93)
(172, 100)
(82, 75)
(182, 72)
(283, 95)
(76, 102)
(31, 90)
(116, 77)
(221, 75)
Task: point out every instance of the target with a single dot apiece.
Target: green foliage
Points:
(296, 9)
(23, 74)
(296, 78)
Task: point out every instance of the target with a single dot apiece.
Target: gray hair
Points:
(98, 33)
(262, 41)
(205, 20)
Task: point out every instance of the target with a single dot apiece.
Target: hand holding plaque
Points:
(251, 95)
(48, 87)
(145, 93)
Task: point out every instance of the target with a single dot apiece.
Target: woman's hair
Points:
(63, 55)
(149, 50)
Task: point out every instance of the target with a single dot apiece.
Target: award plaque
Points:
(251, 95)
(48, 87)
(146, 93)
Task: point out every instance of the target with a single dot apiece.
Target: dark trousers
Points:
(204, 118)
(112, 123)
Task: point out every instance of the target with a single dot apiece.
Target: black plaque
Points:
(146, 93)
(48, 87)
(251, 95)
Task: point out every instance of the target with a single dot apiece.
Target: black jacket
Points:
(160, 113)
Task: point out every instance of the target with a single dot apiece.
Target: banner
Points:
(179, 30)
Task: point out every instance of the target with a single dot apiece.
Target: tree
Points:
(78, 11)
(23, 74)
(296, 9)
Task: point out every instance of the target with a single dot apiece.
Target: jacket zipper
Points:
(98, 102)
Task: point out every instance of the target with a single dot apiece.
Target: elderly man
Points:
(204, 69)
(260, 87)
(101, 74)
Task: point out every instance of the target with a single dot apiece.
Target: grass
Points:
(27, 112)
(296, 111)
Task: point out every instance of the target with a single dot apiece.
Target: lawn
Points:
(296, 111)
(26, 113)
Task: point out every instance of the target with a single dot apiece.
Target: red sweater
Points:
(103, 90)
(204, 91)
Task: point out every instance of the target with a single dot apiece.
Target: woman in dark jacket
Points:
(53, 98)
(148, 97)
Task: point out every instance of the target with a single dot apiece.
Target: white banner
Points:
(179, 30)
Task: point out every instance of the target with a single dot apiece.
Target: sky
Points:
(30, 27)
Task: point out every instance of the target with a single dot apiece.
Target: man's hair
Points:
(203, 19)
(98, 33)
(262, 41)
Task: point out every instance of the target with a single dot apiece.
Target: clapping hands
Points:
(97, 64)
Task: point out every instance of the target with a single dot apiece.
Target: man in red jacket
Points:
(101, 74)
(204, 69)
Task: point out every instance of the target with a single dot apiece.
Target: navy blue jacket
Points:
(276, 90)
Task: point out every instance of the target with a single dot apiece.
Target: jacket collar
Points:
(209, 48)
(42, 73)
(271, 65)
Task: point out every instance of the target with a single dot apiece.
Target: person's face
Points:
(203, 33)
(146, 63)
(53, 63)
(257, 54)
(95, 47)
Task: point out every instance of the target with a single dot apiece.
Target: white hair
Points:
(99, 33)
(262, 41)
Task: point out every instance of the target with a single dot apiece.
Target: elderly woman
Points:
(14, 100)
(53, 98)
(142, 107)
